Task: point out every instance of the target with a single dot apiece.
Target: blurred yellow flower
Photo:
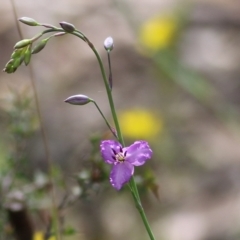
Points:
(140, 124)
(40, 236)
(158, 32)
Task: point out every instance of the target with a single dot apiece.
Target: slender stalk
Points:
(115, 119)
(110, 128)
(110, 70)
(134, 188)
(143, 215)
(109, 93)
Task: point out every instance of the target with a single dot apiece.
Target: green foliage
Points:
(69, 231)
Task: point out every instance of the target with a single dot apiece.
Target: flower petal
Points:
(121, 174)
(107, 148)
(138, 153)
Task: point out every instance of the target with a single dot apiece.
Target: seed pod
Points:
(78, 99)
(68, 27)
(29, 21)
(40, 46)
(23, 43)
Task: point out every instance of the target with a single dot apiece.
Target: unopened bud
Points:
(9, 62)
(17, 53)
(78, 99)
(23, 43)
(8, 67)
(17, 63)
(108, 44)
(68, 27)
(29, 21)
(40, 46)
(27, 56)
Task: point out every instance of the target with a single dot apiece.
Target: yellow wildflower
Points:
(140, 124)
(40, 236)
(158, 32)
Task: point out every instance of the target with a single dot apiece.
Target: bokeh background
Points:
(175, 84)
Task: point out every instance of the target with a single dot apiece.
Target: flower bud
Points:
(8, 69)
(17, 53)
(17, 63)
(23, 43)
(27, 56)
(8, 66)
(78, 99)
(68, 27)
(40, 46)
(108, 44)
(28, 21)
(9, 62)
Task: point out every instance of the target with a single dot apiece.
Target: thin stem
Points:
(143, 215)
(134, 187)
(138, 204)
(109, 126)
(109, 93)
(110, 99)
(110, 71)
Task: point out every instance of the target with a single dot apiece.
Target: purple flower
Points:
(124, 159)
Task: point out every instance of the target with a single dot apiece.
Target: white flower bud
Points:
(108, 44)
(78, 99)
(29, 21)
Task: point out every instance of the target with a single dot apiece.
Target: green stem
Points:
(110, 71)
(143, 215)
(110, 99)
(110, 128)
(109, 93)
(134, 187)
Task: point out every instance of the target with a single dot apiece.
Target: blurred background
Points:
(176, 84)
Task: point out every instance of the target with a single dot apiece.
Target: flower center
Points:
(120, 157)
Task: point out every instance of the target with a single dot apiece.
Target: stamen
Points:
(120, 157)
(115, 153)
